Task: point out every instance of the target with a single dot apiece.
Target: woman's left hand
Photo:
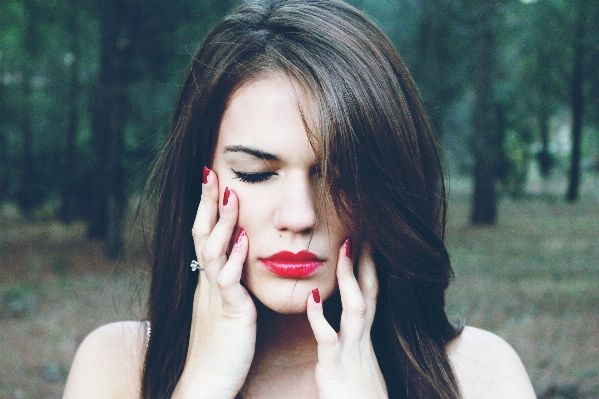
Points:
(347, 366)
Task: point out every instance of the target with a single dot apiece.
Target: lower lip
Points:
(292, 269)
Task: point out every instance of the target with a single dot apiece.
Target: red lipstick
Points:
(287, 264)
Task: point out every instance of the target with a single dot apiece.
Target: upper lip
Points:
(301, 256)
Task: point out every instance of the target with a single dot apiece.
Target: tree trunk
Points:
(68, 186)
(4, 157)
(26, 196)
(110, 108)
(486, 144)
(577, 106)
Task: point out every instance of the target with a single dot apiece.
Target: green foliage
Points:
(516, 163)
(41, 42)
(60, 266)
(51, 57)
(17, 300)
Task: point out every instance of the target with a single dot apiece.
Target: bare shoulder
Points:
(108, 363)
(487, 367)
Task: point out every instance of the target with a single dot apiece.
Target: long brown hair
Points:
(380, 162)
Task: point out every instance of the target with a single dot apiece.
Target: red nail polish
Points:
(239, 236)
(348, 248)
(206, 173)
(316, 295)
(226, 196)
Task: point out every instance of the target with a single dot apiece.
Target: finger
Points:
(369, 284)
(207, 211)
(326, 336)
(214, 252)
(354, 308)
(228, 280)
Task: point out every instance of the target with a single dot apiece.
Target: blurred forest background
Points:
(86, 92)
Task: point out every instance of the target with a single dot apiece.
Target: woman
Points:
(318, 235)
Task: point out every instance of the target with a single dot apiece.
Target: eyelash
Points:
(253, 177)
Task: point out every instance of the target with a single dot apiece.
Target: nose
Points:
(295, 209)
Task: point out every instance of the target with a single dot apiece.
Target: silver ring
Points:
(196, 266)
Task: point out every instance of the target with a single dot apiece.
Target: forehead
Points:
(266, 114)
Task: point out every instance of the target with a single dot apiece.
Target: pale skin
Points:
(285, 348)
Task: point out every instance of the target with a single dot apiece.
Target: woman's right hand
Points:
(223, 328)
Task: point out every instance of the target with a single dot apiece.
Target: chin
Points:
(291, 307)
(288, 296)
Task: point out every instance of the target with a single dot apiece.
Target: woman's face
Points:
(264, 156)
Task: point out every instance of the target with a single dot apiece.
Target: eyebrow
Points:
(252, 151)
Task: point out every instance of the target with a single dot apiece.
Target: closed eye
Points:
(253, 177)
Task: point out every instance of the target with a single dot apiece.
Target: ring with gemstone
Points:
(196, 266)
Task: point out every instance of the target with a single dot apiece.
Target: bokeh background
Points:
(86, 91)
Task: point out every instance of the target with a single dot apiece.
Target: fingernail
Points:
(316, 295)
(226, 196)
(206, 173)
(348, 248)
(239, 236)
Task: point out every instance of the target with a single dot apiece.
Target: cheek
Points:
(254, 210)
(338, 233)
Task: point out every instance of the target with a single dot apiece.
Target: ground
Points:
(532, 279)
